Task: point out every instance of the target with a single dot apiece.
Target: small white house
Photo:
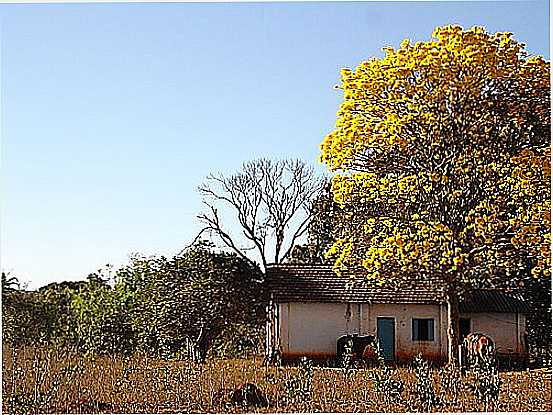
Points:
(311, 307)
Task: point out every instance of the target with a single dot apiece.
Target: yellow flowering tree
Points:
(442, 159)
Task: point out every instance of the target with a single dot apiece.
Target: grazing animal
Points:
(351, 349)
(247, 394)
(479, 349)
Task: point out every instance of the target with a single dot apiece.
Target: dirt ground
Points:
(61, 382)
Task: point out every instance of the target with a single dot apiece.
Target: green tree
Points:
(102, 315)
(537, 294)
(27, 319)
(188, 301)
(59, 297)
(443, 149)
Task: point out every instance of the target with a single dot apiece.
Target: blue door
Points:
(386, 332)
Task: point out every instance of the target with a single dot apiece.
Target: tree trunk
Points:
(453, 328)
(202, 346)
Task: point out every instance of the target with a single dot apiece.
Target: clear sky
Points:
(112, 114)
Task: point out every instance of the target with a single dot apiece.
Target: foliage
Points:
(27, 319)
(267, 199)
(59, 297)
(454, 155)
(424, 386)
(178, 307)
(238, 340)
(87, 314)
(299, 388)
(137, 280)
(537, 293)
(188, 302)
(103, 321)
(382, 380)
(443, 149)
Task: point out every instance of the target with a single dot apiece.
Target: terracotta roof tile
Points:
(318, 283)
(493, 301)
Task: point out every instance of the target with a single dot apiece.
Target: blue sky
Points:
(112, 114)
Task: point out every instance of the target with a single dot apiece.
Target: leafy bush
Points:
(486, 382)
(424, 386)
(189, 302)
(299, 388)
(239, 340)
(27, 319)
(180, 307)
(382, 380)
(103, 323)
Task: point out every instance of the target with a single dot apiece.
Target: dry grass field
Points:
(60, 382)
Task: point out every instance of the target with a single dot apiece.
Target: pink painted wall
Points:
(311, 329)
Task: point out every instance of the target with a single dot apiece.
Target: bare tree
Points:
(271, 202)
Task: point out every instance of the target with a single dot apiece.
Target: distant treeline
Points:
(186, 306)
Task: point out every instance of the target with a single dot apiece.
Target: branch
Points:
(214, 225)
(299, 232)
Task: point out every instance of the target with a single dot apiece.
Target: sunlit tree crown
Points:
(442, 154)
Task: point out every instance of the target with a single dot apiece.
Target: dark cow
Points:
(479, 349)
(351, 349)
(247, 394)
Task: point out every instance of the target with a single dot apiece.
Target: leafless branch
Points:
(267, 198)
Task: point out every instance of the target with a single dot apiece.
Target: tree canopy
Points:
(442, 154)
(183, 306)
(185, 303)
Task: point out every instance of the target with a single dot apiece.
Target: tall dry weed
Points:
(58, 381)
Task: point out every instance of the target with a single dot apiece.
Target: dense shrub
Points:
(179, 307)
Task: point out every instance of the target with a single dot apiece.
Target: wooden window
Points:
(423, 329)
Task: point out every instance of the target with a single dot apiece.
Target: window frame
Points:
(431, 333)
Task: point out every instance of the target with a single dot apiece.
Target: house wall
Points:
(506, 329)
(311, 329)
(406, 348)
